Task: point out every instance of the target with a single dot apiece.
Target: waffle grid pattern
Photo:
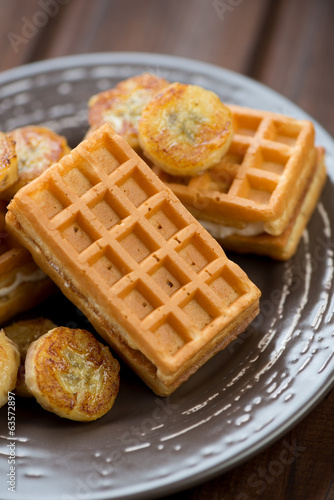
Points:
(249, 183)
(139, 249)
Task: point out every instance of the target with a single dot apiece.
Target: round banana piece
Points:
(8, 162)
(9, 365)
(23, 333)
(122, 105)
(37, 148)
(71, 374)
(185, 129)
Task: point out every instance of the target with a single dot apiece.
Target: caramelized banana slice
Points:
(185, 129)
(9, 365)
(23, 333)
(122, 105)
(71, 374)
(37, 148)
(8, 162)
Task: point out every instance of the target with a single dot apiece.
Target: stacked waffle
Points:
(261, 194)
(122, 247)
(252, 178)
(129, 247)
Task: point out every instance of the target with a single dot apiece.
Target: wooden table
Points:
(287, 45)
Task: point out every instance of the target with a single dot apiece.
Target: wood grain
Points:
(23, 25)
(296, 58)
(195, 29)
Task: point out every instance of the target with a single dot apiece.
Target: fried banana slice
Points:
(8, 162)
(122, 105)
(23, 333)
(185, 129)
(37, 148)
(9, 365)
(71, 374)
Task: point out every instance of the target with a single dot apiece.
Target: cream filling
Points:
(220, 231)
(20, 278)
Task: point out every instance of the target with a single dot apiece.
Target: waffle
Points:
(22, 284)
(258, 187)
(123, 249)
(284, 246)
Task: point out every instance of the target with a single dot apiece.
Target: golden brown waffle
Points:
(284, 246)
(122, 247)
(260, 181)
(22, 284)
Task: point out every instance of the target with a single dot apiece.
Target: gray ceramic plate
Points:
(244, 398)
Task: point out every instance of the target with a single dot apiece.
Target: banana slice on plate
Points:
(9, 365)
(8, 162)
(122, 105)
(37, 148)
(71, 374)
(185, 129)
(23, 333)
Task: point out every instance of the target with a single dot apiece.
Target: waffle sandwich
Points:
(123, 249)
(22, 284)
(260, 196)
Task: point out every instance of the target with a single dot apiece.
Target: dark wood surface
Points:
(287, 45)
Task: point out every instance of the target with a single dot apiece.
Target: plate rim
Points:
(95, 58)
